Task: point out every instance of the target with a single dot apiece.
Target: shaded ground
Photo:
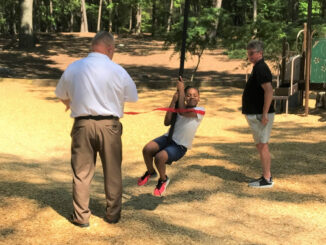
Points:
(143, 58)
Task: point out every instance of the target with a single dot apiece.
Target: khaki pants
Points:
(89, 137)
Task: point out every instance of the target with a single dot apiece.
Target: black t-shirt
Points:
(253, 94)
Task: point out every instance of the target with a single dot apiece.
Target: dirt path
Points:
(142, 57)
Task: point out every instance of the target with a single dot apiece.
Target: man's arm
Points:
(131, 94)
(268, 97)
(66, 103)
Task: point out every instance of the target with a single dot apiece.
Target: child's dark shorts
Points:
(175, 151)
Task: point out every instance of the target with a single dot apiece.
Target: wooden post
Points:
(308, 57)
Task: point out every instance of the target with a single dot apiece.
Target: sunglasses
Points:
(251, 53)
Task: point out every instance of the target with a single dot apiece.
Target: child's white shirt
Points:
(185, 128)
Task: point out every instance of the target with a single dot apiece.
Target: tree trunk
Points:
(153, 18)
(138, 19)
(294, 10)
(217, 5)
(72, 17)
(51, 15)
(83, 23)
(26, 39)
(130, 19)
(38, 16)
(255, 10)
(12, 23)
(110, 17)
(323, 9)
(12, 20)
(255, 14)
(170, 16)
(116, 16)
(99, 17)
(199, 55)
(14, 26)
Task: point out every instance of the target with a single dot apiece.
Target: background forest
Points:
(212, 23)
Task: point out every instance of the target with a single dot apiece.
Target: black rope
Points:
(182, 61)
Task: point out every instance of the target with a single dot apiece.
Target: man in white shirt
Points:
(95, 89)
(162, 150)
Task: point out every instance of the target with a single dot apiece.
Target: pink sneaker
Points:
(161, 186)
(144, 179)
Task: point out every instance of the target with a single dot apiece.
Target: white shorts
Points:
(261, 133)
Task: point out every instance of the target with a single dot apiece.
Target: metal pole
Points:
(182, 60)
(308, 57)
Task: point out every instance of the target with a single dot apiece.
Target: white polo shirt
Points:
(185, 129)
(96, 85)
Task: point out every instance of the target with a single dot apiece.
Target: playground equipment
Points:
(290, 74)
(318, 61)
(318, 69)
(287, 89)
(296, 72)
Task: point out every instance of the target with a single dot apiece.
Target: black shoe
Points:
(112, 221)
(262, 183)
(78, 224)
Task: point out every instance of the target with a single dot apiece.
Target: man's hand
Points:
(66, 103)
(264, 119)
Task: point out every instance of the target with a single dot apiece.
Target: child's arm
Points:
(181, 90)
(181, 102)
(168, 114)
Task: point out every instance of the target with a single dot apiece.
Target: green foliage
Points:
(303, 8)
(146, 23)
(9, 15)
(272, 34)
(199, 33)
(270, 27)
(62, 11)
(237, 54)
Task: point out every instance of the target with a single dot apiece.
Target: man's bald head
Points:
(103, 42)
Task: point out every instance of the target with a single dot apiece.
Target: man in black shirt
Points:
(258, 107)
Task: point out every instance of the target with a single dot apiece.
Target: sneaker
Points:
(262, 183)
(161, 186)
(144, 179)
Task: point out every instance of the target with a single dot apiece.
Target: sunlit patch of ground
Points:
(207, 201)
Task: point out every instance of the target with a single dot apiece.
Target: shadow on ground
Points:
(137, 207)
(36, 64)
